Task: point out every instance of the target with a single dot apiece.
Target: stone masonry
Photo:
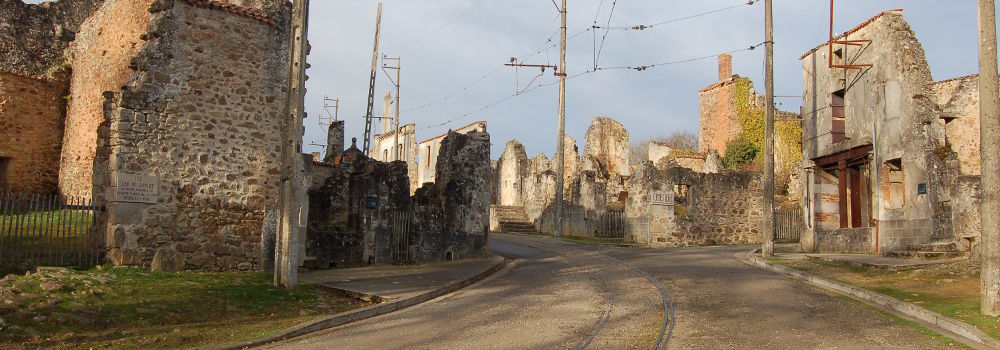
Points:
(31, 128)
(198, 114)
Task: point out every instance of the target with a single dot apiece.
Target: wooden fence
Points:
(788, 224)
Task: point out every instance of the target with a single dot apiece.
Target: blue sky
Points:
(448, 45)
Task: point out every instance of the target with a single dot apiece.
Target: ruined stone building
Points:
(661, 203)
(183, 97)
(891, 157)
(731, 110)
(361, 211)
(383, 148)
(429, 149)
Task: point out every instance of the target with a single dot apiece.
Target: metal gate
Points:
(399, 238)
(43, 229)
(788, 224)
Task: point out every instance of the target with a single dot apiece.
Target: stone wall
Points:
(343, 231)
(33, 37)
(357, 202)
(31, 128)
(511, 172)
(102, 52)
(708, 209)
(452, 215)
(959, 103)
(607, 146)
(200, 115)
(428, 150)
(844, 241)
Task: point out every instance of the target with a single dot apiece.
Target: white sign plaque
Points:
(134, 188)
(662, 198)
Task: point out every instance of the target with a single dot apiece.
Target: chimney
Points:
(725, 67)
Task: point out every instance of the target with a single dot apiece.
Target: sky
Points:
(452, 55)
(448, 46)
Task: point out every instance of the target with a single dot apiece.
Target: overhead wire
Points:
(450, 23)
(490, 73)
(597, 57)
(556, 81)
(647, 26)
(645, 67)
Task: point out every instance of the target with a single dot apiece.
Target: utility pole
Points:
(395, 132)
(558, 159)
(371, 85)
(561, 142)
(768, 249)
(286, 242)
(989, 141)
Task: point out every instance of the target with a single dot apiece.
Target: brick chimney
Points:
(725, 67)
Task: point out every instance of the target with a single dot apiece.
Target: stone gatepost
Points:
(661, 217)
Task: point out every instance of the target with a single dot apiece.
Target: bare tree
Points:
(678, 140)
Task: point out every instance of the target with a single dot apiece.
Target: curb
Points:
(966, 333)
(363, 313)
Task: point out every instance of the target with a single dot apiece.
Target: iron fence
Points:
(788, 224)
(400, 237)
(42, 229)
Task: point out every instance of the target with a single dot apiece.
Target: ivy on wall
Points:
(748, 146)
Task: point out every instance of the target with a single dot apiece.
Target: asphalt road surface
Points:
(562, 295)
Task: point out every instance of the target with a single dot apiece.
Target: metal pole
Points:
(768, 249)
(371, 85)
(561, 143)
(989, 138)
(395, 142)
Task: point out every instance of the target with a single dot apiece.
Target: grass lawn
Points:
(950, 289)
(128, 308)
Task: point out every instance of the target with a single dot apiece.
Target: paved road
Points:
(562, 295)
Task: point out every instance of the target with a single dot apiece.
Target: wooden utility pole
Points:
(395, 133)
(561, 141)
(768, 249)
(989, 140)
(371, 85)
(286, 243)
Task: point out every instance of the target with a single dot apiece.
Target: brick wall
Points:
(202, 116)
(718, 120)
(31, 128)
(106, 43)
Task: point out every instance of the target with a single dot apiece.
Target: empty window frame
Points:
(895, 187)
(838, 116)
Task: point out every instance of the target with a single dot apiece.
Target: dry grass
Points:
(950, 289)
(127, 308)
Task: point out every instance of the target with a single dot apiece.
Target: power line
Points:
(597, 57)
(645, 26)
(500, 101)
(490, 73)
(556, 81)
(431, 33)
(645, 67)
